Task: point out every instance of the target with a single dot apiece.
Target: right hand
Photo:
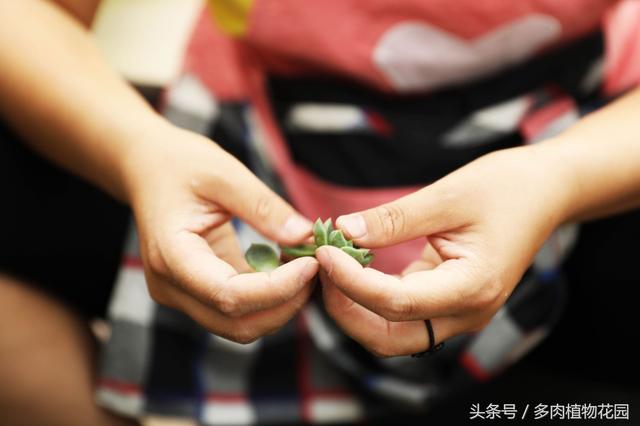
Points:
(183, 189)
(483, 225)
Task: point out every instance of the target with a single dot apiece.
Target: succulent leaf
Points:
(337, 239)
(320, 234)
(360, 254)
(328, 225)
(262, 257)
(300, 250)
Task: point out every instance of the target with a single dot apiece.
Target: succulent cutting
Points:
(264, 258)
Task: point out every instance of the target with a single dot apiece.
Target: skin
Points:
(183, 188)
(47, 363)
(483, 224)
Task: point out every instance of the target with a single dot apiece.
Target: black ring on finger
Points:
(431, 349)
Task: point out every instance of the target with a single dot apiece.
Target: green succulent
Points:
(263, 257)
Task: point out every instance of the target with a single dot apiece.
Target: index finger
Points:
(418, 295)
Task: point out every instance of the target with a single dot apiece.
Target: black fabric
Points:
(57, 232)
(177, 347)
(597, 336)
(230, 131)
(412, 153)
(530, 306)
(275, 371)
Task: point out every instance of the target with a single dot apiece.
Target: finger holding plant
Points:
(183, 189)
(483, 225)
(263, 258)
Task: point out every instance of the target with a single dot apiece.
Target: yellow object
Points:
(232, 16)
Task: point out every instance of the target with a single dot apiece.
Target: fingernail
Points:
(322, 254)
(353, 224)
(310, 269)
(296, 227)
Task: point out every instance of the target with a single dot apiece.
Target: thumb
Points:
(415, 215)
(252, 201)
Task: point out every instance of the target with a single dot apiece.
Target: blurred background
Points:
(591, 356)
(145, 41)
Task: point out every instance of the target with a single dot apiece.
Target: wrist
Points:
(137, 146)
(558, 161)
(542, 178)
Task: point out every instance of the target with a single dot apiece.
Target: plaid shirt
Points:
(158, 361)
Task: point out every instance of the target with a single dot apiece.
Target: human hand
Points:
(483, 225)
(183, 189)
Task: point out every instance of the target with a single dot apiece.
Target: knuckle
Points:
(381, 350)
(156, 260)
(392, 220)
(158, 294)
(300, 302)
(226, 303)
(486, 295)
(262, 208)
(480, 325)
(243, 336)
(398, 308)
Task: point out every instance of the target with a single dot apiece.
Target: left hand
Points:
(483, 224)
(184, 189)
